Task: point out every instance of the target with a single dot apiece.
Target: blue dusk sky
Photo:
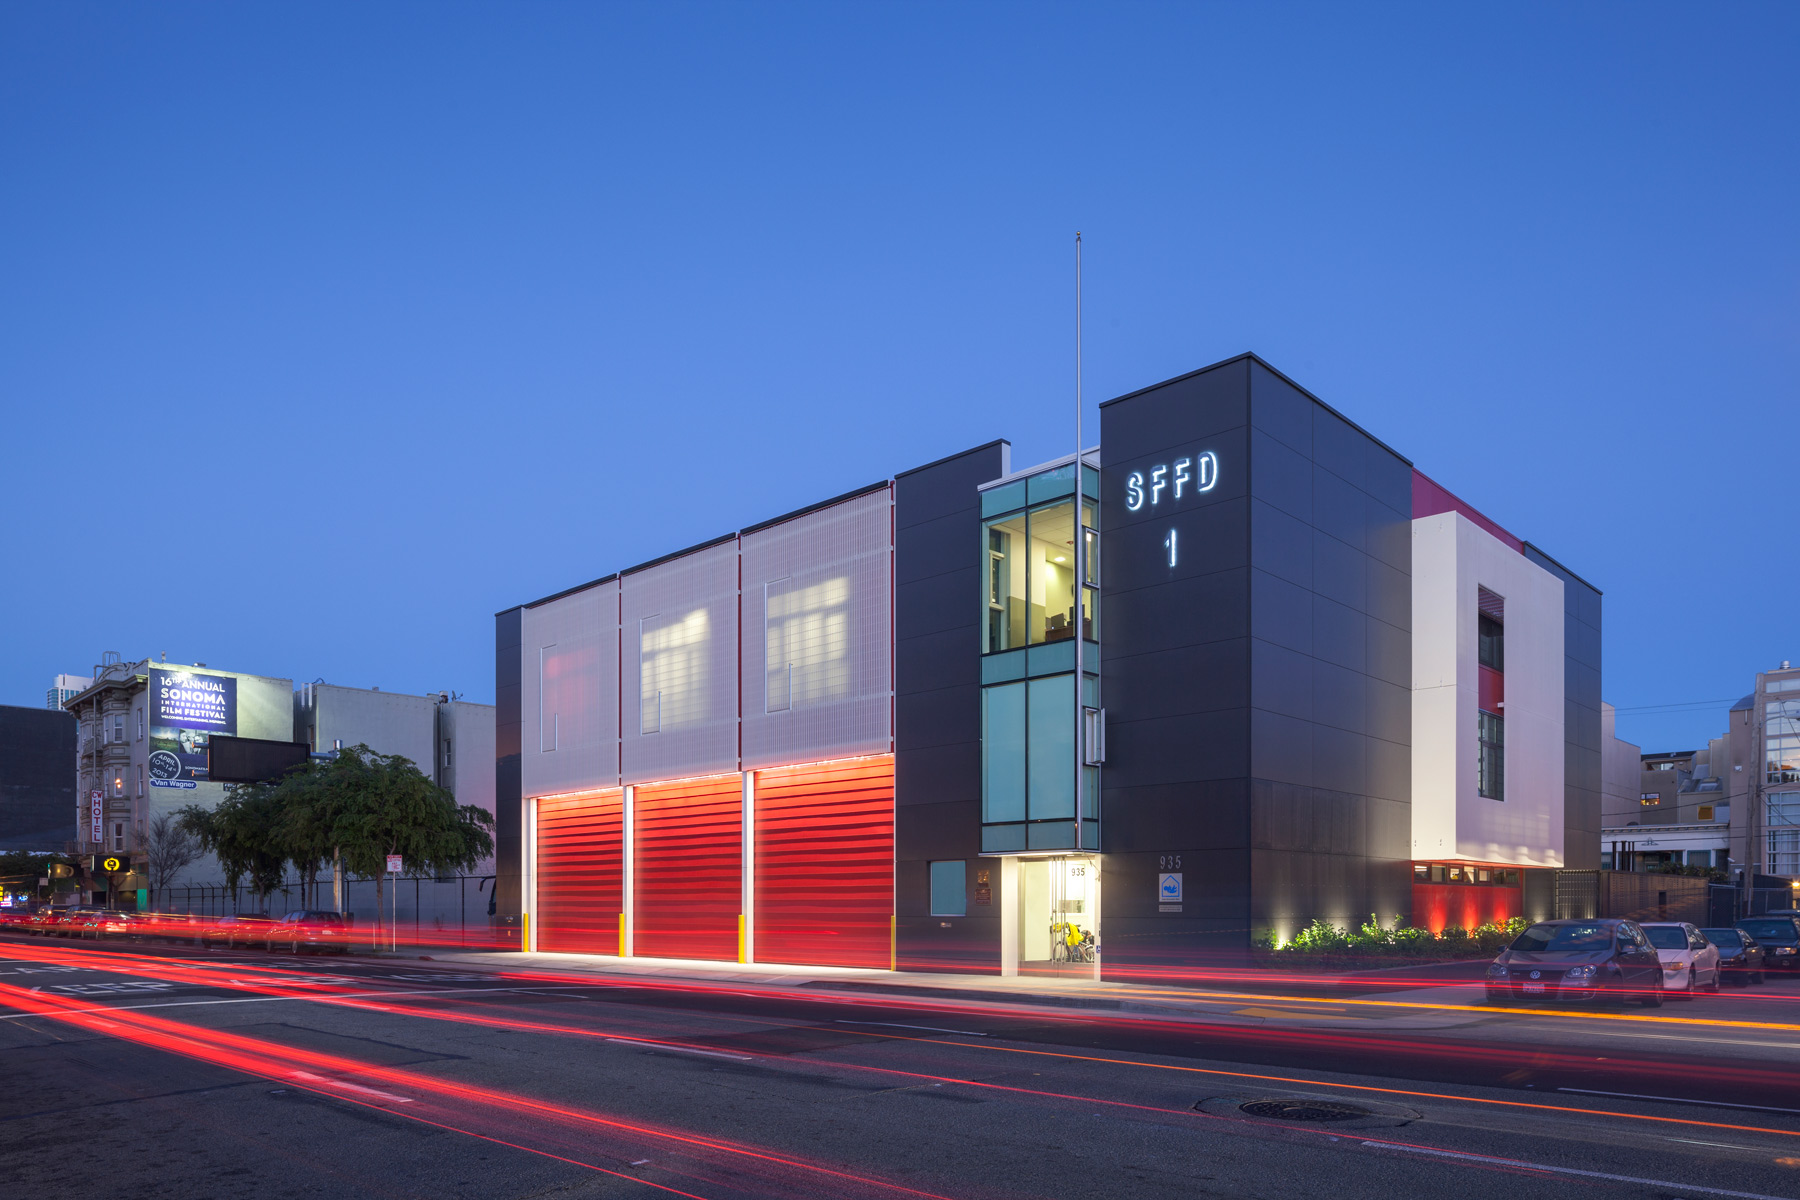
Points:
(328, 330)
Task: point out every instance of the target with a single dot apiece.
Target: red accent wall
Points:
(688, 890)
(1429, 498)
(1435, 905)
(825, 863)
(1492, 687)
(580, 890)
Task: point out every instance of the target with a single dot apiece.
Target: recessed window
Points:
(949, 888)
(1492, 781)
(1491, 643)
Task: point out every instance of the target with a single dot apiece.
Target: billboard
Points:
(253, 760)
(186, 709)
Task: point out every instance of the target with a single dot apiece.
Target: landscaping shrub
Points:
(1324, 945)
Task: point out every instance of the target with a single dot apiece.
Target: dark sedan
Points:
(1740, 955)
(1779, 937)
(1578, 960)
(242, 929)
(307, 930)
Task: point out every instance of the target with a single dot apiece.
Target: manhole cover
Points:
(1303, 1110)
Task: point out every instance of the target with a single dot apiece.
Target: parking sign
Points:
(393, 864)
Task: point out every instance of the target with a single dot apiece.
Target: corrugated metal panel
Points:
(570, 693)
(687, 893)
(579, 879)
(680, 667)
(818, 634)
(825, 863)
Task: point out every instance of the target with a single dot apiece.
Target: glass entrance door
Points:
(1059, 917)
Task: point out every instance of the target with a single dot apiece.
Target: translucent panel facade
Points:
(818, 634)
(570, 693)
(679, 666)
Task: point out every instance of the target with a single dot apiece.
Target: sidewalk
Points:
(1223, 990)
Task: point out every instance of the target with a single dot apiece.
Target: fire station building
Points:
(1311, 683)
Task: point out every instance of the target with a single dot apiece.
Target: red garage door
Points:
(688, 892)
(579, 887)
(825, 863)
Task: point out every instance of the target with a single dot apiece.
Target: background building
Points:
(63, 687)
(37, 779)
(144, 727)
(1732, 805)
(1239, 668)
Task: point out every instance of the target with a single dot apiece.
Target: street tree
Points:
(360, 807)
(243, 833)
(169, 849)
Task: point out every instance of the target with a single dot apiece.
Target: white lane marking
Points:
(1681, 1100)
(927, 1028)
(349, 1087)
(677, 1049)
(1726, 1145)
(1490, 1160)
(267, 999)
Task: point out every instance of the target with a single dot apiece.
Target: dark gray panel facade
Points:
(1581, 714)
(509, 839)
(1330, 726)
(37, 778)
(937, 710)
(1258, 679)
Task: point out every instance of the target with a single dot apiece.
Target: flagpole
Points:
(1080, 577)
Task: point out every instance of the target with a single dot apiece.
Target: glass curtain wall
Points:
(1032, 606)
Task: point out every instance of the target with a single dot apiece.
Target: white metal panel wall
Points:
(818, 632)
(1452, 559)
(680, 666)
(570, 693)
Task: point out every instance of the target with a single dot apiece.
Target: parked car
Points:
(72, 921)
(1585, 961)
(15, 917)
(108, 923)
(43, 922)
(311, 930)
(1779, 937)
(1690, 962)
(176, 927)
(1740, 955)
(247, 929)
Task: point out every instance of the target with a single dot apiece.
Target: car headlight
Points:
(1498, 971)
(1784, 949)
(1579, 973)
(1677, 965)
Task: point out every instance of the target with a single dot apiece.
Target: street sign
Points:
(393, 864)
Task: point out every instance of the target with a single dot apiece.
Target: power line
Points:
(1682, 704)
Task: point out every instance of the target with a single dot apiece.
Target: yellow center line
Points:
(1354, 1087)
(1486, 1010)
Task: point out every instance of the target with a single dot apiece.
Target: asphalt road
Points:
(161, 1071)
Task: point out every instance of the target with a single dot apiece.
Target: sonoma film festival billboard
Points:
(186, 709)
